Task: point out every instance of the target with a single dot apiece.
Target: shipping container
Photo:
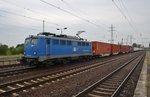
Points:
(101, 48)
(115, 49)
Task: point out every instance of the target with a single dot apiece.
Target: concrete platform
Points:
(141, 88)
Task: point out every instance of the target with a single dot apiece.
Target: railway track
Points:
(112, 84)
(15, 71)
(23, 84)
(11, 67)
(8, 66)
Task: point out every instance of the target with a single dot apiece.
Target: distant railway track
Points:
(112, 84)
(7, 66)
(32, 82)
(14, 71)
(8, 61)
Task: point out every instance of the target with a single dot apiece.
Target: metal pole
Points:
(122, 41)
(61, 31)
(112, 29)
(43, 25)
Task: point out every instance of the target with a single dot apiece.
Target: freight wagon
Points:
(101, 48)
(138, 48)
(125, 49)
(115, 49)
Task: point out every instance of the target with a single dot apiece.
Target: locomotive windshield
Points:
(27, 41)
(34, 41)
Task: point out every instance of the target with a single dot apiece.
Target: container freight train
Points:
(49, 47)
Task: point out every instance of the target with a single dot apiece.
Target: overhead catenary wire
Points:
(77, 10)
(24, 16)
(124, 15)
(73, 9)
(12, 13)
(130, 18)
(119, 9)
(42, 16)
(20, 27)
(35, 12)
(66, 11)
(30, 10)
(123, 6)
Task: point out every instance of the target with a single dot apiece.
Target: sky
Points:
(130, 18)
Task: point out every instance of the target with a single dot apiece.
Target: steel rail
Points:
(15, 71)
(127, 78)
(93, 86)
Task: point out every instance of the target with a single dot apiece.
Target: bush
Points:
(5, 50)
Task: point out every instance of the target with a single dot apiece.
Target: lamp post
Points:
(61, 29)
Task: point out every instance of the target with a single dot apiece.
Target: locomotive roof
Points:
(52, 35)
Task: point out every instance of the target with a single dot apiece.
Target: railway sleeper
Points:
(27, 83)
(101, 93)
(10, 87)
(104, 89)
(2, 91)
(114, 80)
(39, 79)
(20, 85)
(93, 95)
(111, 84)
(34, 81)
(108, 87)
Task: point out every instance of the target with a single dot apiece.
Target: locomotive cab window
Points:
(34, 41)
(27, 41)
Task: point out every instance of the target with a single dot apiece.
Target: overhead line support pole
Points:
(43, 25)
(112, 30)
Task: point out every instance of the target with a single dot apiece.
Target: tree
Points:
(12, 50)
(19, 48)
(134, 45)
(3, 49)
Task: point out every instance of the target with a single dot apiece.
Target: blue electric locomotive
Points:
(51, 47)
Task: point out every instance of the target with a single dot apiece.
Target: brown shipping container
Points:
(125, 48)
(115, 48)
(100, 48)
(122, 49)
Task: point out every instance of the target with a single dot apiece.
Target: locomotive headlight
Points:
(34, 52)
